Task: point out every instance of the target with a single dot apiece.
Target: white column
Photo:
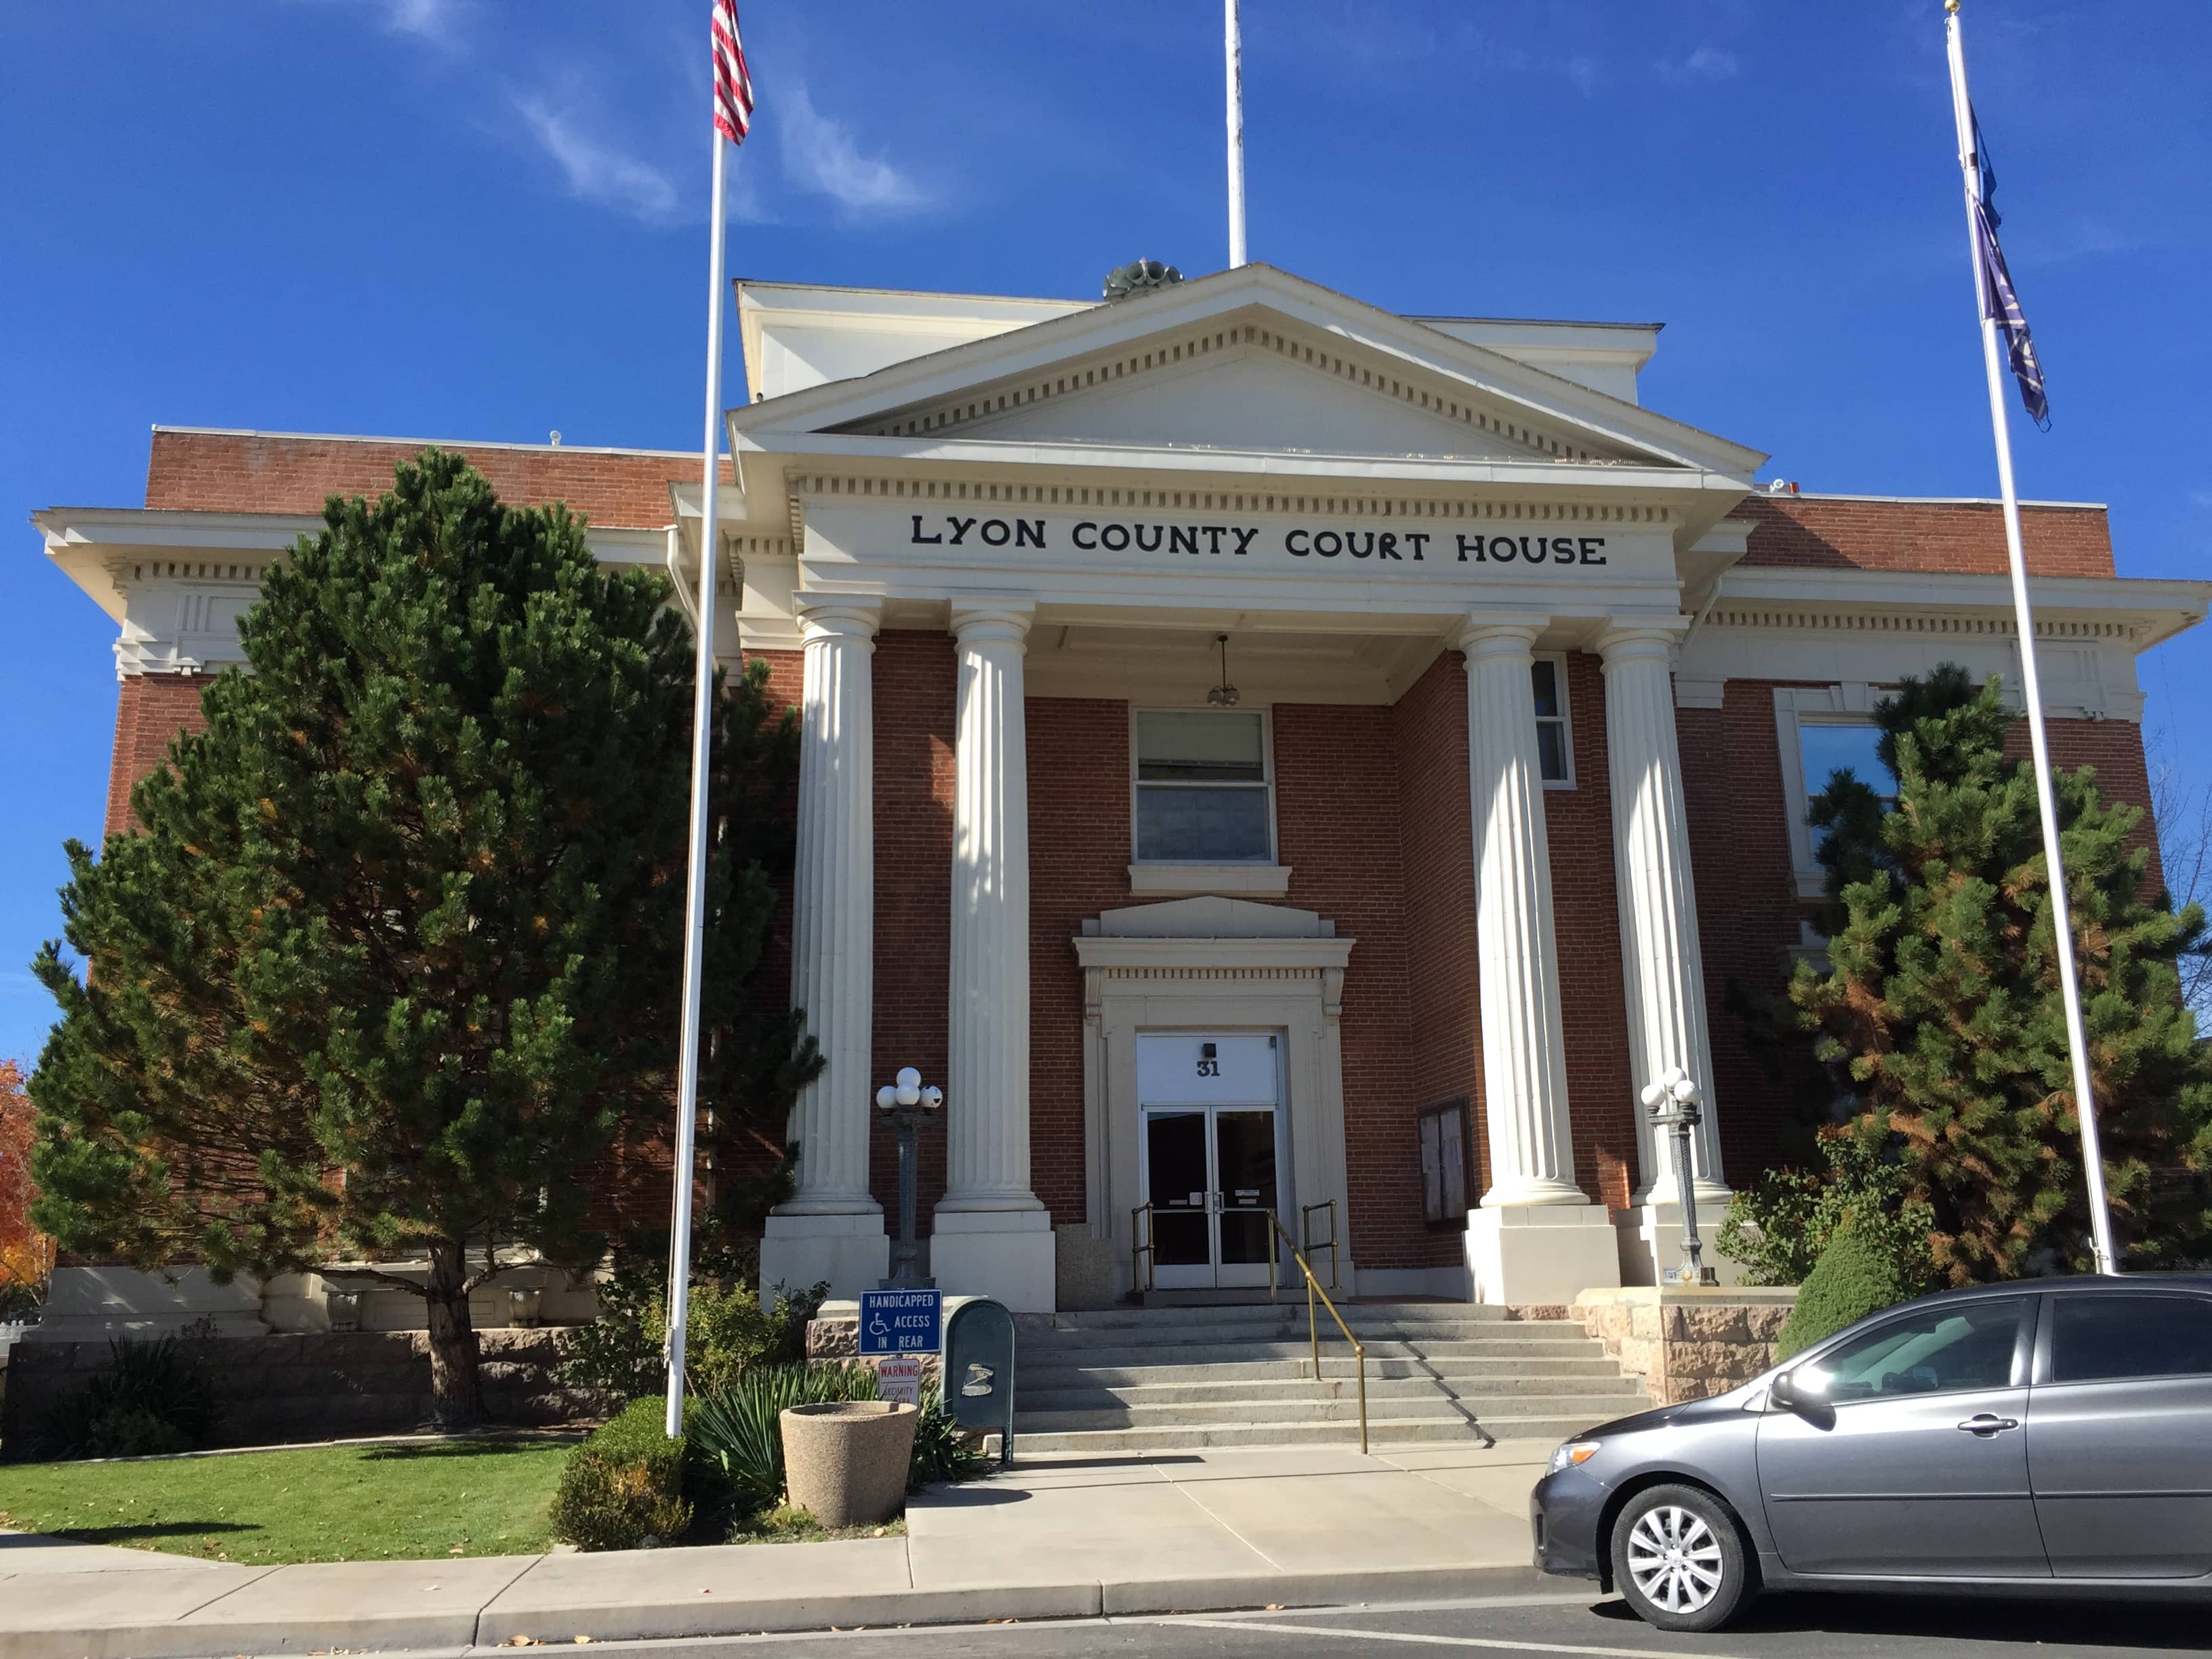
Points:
(1663, 972)
(1536, 1238)
(832, 1228)
(990, 1236)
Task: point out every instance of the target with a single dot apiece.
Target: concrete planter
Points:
(845, 1462)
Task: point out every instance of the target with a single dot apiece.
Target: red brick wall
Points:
(1078, 758)
(1436, 844)
(239, 472)
(150, 711)
(1944, 536)
(915, 697)
(1586, 921)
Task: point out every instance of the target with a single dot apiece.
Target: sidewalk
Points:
(1053, 1538)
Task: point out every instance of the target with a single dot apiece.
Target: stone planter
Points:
(845, 1462)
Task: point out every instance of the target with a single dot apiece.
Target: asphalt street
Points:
(1588, 1625)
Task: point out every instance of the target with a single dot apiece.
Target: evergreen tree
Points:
(395, 957)
(1941, 1000)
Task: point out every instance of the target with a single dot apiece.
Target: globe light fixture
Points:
(908, 1104)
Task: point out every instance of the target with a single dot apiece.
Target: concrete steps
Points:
(1154, 1379)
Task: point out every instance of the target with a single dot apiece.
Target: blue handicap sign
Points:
(900, 1322)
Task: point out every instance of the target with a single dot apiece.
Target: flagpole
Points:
(1233, 44)
(2031, 684)
(695, 889)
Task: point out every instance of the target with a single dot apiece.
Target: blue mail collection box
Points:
(900, 1322)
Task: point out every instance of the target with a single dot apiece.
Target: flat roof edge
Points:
(441, 443)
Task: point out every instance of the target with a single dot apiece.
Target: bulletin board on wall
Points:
(1445, 1167)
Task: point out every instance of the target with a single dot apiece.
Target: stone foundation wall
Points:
(1687, 1344)
(279, 1388)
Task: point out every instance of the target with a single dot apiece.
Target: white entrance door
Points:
(1210, 1128)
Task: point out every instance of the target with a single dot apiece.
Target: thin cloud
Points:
(597, 171)
(1582, 71)
(820, 156)
(1704, 65)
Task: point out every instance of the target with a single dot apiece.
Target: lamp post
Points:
(908, 1104)
(1672, 1102)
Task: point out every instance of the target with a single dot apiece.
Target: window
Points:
(2103, 1339)
(1966, 1345)
(1555, 749)
(1823, 730)
(1202, 788)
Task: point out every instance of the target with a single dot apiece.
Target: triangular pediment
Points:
(1250, 360)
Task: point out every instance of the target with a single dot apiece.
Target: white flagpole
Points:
(2031, 685)
(695, 890)
(1233, 46)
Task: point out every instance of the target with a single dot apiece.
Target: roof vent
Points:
(1141, 277)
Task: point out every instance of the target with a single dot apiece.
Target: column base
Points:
(1541, 1255)
(1651, 1240)
(849, 1250)
(1009, 1255)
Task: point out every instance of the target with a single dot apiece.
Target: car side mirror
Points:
(1783, 1391)
(1790, 1393)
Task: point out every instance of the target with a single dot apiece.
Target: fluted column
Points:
(1524, 1065)
(990, 1236)
(831, 1228)
(1664, 972)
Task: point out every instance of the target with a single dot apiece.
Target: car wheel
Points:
(1678, 1560)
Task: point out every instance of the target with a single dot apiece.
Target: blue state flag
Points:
(2000, 299)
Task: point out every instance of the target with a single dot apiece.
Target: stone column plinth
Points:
(1536, 1238)
(1660, 964)
(990, 1236)
(831, 1228)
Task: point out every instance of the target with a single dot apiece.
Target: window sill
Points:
(1183, 880)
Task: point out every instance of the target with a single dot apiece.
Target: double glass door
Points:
(1209, 1124)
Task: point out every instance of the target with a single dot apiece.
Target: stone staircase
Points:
(1155, 1379)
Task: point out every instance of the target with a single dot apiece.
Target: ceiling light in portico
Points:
(1224, 696)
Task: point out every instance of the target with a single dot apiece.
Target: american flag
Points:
(2000, 303)
(734, 82)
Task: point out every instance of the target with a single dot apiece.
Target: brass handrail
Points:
(1305, 1234)
(1313, 1324)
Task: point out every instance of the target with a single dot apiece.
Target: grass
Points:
(325, 1503)
(786, 1525)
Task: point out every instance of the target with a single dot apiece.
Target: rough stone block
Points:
(1765, 1324)
(1644, 1322)
(833, 1338)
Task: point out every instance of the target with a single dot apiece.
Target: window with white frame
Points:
(1204, 788)
(1555, 747)
(1822, 731)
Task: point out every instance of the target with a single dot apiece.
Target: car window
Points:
(1966, 1345)
(2102, 1339)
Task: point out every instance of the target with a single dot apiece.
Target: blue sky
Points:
(487, 219)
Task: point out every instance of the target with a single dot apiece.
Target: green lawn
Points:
(328, 1504)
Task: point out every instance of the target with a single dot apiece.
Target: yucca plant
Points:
(737, 1434)
(942, 1450)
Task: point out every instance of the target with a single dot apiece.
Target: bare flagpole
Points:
(2031, 686)
(1233, 44)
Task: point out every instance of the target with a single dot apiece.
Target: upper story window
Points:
(1823, 730)
(1555, 748)
(1204, 788)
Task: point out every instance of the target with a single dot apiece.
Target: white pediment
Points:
(1212, 916)
(1254, 397)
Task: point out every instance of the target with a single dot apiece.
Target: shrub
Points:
(942, 1450)
(1857, 1274)
(154, 1397)
(1777, 1228)
(624, 1487)
(726, 1330)
(737, 1437)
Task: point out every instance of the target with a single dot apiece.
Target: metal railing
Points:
(1313, 1322)
(1140, 1244)
(1306, 1239)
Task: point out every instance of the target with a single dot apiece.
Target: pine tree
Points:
(1941, 1000)
(395, 957)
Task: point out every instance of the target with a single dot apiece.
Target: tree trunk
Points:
(456, 1391)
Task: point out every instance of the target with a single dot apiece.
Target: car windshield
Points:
(1941, 1348)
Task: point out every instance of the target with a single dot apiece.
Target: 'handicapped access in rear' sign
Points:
(900, 1322)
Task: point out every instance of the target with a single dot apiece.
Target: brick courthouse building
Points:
(1530, 687)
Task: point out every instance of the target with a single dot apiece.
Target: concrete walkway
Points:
(1053, 1538)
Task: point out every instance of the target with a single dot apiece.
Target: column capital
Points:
(1645, 639)
(1490, 632)
(993, 622)
(839, 616)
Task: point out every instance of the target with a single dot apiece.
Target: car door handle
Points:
(1985, 1424)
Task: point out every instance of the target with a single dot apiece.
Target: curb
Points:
(391, 1629)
